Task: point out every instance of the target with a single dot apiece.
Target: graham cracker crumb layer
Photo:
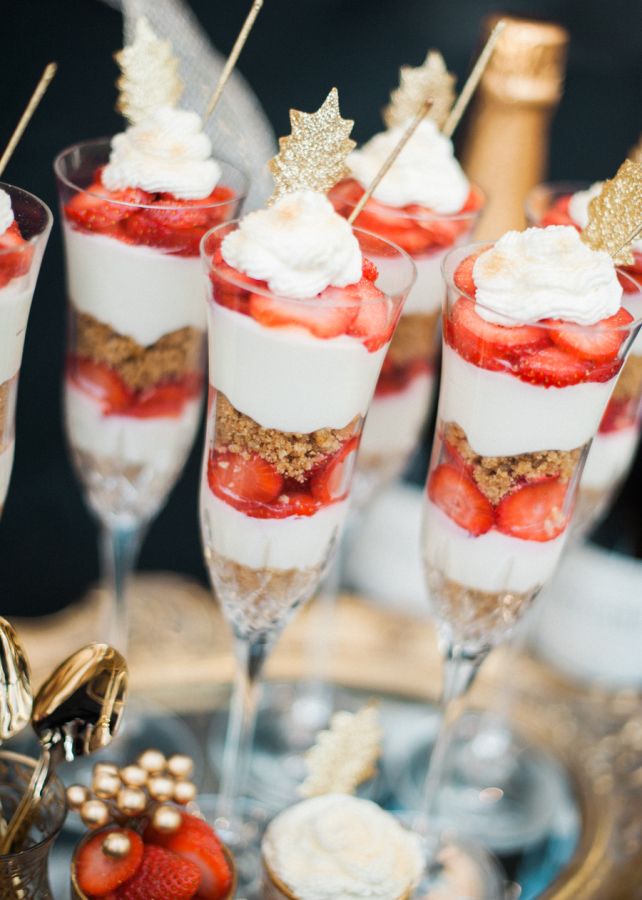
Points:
(6, 412)
(293, 455)
(415, 338)
(629, 383)
(497, 476)
(172, 356)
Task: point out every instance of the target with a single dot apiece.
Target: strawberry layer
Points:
(291, 543)
(140, 292)
(395, 420)
(285, 378)
(161, 443)
(504, 416)
(610, 458)
(6, 464)
(492, 562)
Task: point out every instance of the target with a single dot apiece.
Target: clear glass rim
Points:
(32, 763)
(29, 243)
(428, 215)
(468, 249)
(308, 301)
(554, 189)
(238, 197)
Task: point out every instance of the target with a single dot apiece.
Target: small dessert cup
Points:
(24, 873)
(21, 250)
(404, 394)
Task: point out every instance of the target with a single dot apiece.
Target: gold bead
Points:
(106, 785)
(131, 801)
(184, 792)
(104, 768)
(180, 766)
(116, 845)
(94, 813)
(153, 761)
(133, 776)
(166, 819)
(77, 794)
(161, 788)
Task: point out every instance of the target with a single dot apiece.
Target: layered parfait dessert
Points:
(299, 324)
(615, 444)
(535, 333)
(337, 845)
(134, 211)
(24, 227)
(425, 205)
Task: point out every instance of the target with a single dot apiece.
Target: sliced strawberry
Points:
(395, 379)
(227, 293)
(332, 482)
(146, 227)
(162, 875)
(165, 400)
(196, 842)
(323, 321)
(597, 343)
(534, 512)
(369, 270)
(457, 495)
(13, 264)
(97, 208)
(99, 874)
(440, 232)
(486, 344)
(177, 213)
(553, 367)
(253, 480)
(558, 214)
(100, 382)
(605, 371)
(373, 317)
(630, 280)
(463, 277)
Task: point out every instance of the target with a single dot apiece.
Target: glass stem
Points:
(250, 657)
(460, 667)
(120, 544)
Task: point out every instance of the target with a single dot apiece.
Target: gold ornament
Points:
(131, 801)
(106, 785)
(94, 813)
(166, 819)
(116, 845)
(184, 792)
(180, 766)
(160, 788)
(152, 761)
(77, 794)
(104, 769)
(149, 76)
(313, 156)
(345, 755)
(430, 81)
(134, 776)
(616, 214)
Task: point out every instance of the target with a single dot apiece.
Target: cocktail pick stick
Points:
(408, 133)
(232, 58)
(36, 97)
(470, 87)
(637, 231)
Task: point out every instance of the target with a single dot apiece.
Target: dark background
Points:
(298, 49)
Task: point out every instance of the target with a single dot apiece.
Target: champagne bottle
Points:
(506, 143)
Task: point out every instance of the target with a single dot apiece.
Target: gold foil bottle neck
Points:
(528, 64)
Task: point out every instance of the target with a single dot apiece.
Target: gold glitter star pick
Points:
(616, 214)
(313, 156)
(345, 754)
(431, 80)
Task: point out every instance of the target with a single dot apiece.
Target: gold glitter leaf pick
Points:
(344, 755)
(313, 156)
(430, 80)
(149, 75)
(616, 213)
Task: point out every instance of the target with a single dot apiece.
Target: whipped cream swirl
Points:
(337, 845)
(545, 273)
(300, 246)
(6, 211)
(168, 152)
(425, 172)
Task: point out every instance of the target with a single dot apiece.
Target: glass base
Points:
(459, 871)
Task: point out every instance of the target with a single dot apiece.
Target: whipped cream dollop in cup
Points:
(168, 152)
(6, 211)
(545, 273)
(425, 172)
(579, 203)
(337, 845)
(300, 246)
